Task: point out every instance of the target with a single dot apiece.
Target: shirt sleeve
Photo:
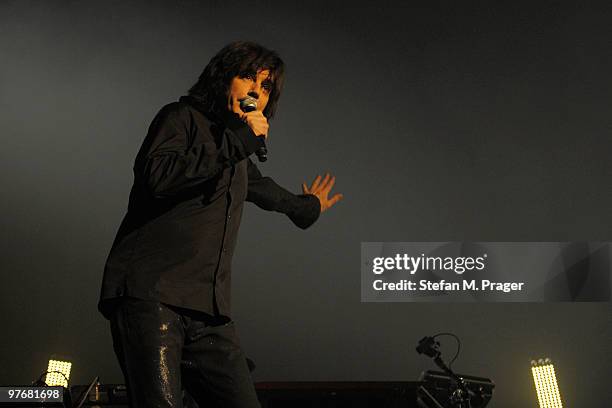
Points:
(303, 210)
(168, 164)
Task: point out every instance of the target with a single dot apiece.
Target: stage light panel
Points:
(54, 369)
(545, 381)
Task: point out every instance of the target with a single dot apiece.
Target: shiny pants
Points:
(163, 350)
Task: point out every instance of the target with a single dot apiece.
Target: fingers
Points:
(257, 122)
(335, 199)
(253, 117)
(323, 185)
(327, 204)
(255, 114)
(318, 184)
(315, 183)
(305, 189)
(330, 184)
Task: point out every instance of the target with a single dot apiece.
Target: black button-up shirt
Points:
(191, 178)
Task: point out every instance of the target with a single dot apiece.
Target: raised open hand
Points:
(321, 190)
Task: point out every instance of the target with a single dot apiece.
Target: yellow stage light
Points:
(546, 383)
(58, 373)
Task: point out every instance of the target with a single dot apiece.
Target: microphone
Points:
(249, 104)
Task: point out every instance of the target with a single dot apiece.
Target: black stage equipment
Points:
(103, 395)
(337, 394)
(446, 389)
(439, 390)
(85, 394)
(399, 394)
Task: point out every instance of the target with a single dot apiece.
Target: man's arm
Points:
(302, 209)
(168, 164)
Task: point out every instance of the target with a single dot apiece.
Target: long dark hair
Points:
(238, 59)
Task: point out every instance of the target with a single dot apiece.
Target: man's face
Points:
(256, 85)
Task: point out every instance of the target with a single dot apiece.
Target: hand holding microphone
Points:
(257, 122)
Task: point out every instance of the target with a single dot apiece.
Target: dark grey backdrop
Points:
(467, 121)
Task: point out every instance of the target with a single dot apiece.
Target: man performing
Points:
(166, 285)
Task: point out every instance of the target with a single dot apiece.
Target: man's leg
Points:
(147, 338)
(215, 370)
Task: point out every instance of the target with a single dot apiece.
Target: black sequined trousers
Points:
(164, 350)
